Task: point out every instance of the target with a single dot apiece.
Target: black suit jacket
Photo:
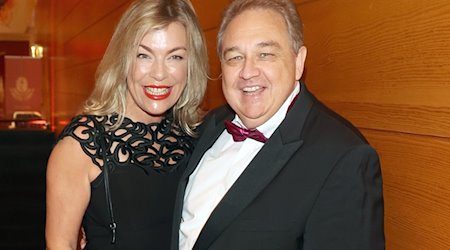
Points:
(315, 184)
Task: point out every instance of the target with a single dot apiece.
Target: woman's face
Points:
(158, 73)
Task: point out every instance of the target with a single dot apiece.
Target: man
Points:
(314, 184)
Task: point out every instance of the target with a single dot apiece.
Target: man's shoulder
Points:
(335, 126)
(215, 115)
(220, 113)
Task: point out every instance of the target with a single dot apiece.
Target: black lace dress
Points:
(146, 161)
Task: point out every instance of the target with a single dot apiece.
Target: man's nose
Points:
(249, 69)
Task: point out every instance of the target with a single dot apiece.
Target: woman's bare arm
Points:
(69, 173)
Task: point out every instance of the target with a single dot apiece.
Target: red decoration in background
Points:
(22, 84)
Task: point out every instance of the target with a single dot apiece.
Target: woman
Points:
(115, 167)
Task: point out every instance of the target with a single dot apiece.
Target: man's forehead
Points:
(256, 46)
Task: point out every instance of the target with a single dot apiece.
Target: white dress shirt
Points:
(217, 171)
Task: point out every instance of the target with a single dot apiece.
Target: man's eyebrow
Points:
(170, 51)
(231, 49)
(259, 45)
(268, 44)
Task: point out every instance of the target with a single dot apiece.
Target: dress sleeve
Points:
(85, 129)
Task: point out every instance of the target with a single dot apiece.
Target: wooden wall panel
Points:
(71, 92)
(64, 9)
(80, 81)
(214, 96)
(385, 66)
(82, 35)
(88, 31)
(379, 51)
(209, 12)
(416, 189)
(84, 14)
(411, 119)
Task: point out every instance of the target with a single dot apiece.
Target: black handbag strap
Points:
(106, 165)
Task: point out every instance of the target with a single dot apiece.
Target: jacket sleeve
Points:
(348, 212)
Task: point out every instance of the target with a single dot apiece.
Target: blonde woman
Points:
(115, 167)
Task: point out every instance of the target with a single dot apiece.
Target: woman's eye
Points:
(176, 57)
(143, 56)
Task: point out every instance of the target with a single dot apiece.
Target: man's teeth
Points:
(157, 91)
(251, 89)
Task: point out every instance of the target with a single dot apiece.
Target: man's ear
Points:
(300, 62)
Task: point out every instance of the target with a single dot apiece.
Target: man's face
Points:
(259, 66)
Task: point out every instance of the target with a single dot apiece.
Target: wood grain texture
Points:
(411, 119)
(214, 96)
(84, 14)
(384, 65)
(416, 178)
(209, 12)
(83, 33)
(86, 40)
(382, 51)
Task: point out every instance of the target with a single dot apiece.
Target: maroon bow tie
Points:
(240, 134)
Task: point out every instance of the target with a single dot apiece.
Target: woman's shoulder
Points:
(81, 127)
(85, 130)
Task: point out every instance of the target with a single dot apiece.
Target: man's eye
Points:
(265, 55)
(234, 59)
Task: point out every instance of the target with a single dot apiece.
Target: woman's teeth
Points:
(157, 91)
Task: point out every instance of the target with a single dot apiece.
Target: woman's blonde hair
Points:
(109, 94)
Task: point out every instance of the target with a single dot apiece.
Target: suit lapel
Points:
(213, 127)
(255, 177)
(277, 151)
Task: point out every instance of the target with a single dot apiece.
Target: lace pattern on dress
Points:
(159, 147)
